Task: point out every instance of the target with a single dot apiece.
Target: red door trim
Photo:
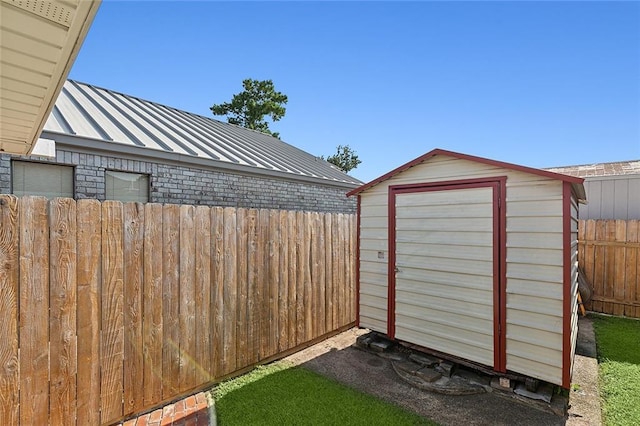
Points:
(499, 253)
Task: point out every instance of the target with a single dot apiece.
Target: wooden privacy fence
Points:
(609, 254)
(107, 309)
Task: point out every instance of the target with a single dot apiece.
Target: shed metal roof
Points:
(576, 182)
(89, 116)
(617, 168)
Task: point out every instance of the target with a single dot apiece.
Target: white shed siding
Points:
(534, 258)
(444, 291)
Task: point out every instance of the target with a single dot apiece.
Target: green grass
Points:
(618, 343)
(279, 395)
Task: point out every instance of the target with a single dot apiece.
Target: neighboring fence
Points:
(609, 254)
(116, 307)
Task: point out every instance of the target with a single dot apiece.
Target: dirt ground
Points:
(367, 372)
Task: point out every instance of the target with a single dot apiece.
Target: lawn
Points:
(618, 344)
(281, 395)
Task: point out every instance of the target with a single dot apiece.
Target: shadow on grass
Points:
(618, 339)
(294, 396)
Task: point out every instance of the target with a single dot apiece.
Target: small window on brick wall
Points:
(125, 187)
(48, 180)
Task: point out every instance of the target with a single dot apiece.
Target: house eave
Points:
(93, 146)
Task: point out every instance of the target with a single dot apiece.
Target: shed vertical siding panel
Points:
(9, 297)
(34, 303)
(612, 197)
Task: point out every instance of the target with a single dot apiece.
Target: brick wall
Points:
(176, 184)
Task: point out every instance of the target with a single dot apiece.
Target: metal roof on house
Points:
(617, 168)
(86, 115)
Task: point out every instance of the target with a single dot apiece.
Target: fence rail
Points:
(609, 254)
(107, 309)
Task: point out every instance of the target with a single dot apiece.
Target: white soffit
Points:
(39, 40)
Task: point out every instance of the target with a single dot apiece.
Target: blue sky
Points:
(535, 83)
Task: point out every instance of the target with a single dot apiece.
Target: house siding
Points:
(534, 270)
(612, 197)
(177, 184)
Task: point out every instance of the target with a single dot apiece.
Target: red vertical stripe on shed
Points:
(391, 274)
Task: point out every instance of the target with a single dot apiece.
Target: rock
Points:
(498, 384)
(446, 368)
(407, 366)
(428, 374)
(364, 341)
(544, 392)
(425, 360)
(380, 345)
(392, 355)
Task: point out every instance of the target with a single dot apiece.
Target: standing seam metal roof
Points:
(89, 112)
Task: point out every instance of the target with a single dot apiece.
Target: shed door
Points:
(444, 270)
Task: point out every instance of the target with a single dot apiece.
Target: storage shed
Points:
(475, 259)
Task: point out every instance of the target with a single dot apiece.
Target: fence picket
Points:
(133, 282)
(217, 290)
(89, 272)
(171, 300)
(152, 325)
(283, 283)
(203, 305)
(230, 292)
(112, 335)
(34, 311)
(292, 221)
(9, 294)
(187, 312)
(272, 251)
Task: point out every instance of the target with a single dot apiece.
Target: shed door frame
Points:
(498, 184)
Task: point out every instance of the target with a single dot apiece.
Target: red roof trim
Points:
(437, 151)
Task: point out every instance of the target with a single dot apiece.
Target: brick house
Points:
(101, 144)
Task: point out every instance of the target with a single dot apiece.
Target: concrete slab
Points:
(584, 396)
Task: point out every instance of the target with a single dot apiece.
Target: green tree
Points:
(249, 107)
(345, 158)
